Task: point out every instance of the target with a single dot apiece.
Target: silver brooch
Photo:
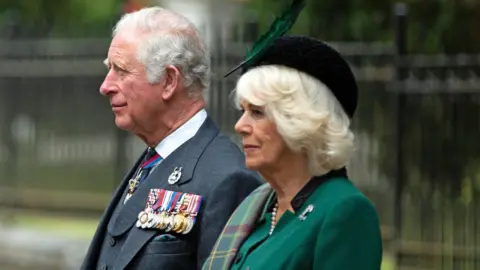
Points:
(307, 210)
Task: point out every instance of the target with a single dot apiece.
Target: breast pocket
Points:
(166, 254)
(168, 246)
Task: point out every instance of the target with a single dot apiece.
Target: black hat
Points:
(316, 59)
(305, 54)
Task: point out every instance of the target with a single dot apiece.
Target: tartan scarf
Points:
(237, 229)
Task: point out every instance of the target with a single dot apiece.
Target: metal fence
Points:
(417, 127)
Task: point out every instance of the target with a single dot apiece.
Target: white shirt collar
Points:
(182, 134)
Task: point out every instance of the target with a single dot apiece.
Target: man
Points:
(171, 207)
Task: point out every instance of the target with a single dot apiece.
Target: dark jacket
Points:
(212, 167)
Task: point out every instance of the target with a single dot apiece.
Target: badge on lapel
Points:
(175, 176)
(169, 211)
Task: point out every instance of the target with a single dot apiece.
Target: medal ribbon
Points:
(161, 197)
(198, 202)
(178, 206)
(190, 204)
(146, 167)
(173, 202)
(166, 200)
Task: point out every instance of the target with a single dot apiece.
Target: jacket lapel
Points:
(186, 156)
(96, 244)
(238, 227)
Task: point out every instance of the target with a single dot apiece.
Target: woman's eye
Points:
(257, 113)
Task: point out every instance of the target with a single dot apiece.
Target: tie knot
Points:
(150, 153)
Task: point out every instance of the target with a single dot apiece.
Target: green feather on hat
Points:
(278, 28)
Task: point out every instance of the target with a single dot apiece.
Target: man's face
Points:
(135, 102)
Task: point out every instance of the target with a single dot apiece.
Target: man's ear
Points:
(172, 79)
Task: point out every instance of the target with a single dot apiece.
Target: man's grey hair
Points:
(171, 39)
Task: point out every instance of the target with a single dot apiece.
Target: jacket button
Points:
(112, 241)
(104, 267)
(238, 258)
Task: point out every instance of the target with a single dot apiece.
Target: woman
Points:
(297, 102)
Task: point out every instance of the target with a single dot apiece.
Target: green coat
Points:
(341, 232)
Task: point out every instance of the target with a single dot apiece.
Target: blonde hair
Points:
(307, 115)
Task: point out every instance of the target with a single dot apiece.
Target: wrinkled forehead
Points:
(127, 39)
(124, 48)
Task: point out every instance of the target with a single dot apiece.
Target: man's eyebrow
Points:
(106, 63)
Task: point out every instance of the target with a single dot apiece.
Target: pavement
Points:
(22, 249)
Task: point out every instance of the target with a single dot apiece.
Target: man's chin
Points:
(123, 123)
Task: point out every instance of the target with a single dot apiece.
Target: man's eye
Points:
(117, 69)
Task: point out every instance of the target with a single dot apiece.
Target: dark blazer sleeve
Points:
(350, 237)
(221, 203)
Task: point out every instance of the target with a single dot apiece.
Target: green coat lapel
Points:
(237, 229)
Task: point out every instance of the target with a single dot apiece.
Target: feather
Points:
(278, 28)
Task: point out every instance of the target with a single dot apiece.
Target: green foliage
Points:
(433, 26)
(62, 17)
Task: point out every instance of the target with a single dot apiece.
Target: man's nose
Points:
(108, 86)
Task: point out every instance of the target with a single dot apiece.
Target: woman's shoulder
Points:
(341, 192)
(340, 186)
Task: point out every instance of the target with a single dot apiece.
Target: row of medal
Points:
(170, 211)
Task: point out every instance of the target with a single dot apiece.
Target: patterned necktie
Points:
(151, 159)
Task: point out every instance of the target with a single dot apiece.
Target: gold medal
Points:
(184, 225)
(133, 183)
(179, 220)
(189, 226)
(169, 221)
(150, 220)
(162, 224)
(155, 221)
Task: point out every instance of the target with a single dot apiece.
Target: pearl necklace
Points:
(274, 218)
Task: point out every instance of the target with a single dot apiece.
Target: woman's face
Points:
(263, 146)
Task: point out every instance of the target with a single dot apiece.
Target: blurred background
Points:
(418, 121)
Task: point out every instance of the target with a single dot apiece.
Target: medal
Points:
(142, 219)
(169, 221)
(178, 223)
(189, 227)
(169, 211)
(162, 224)
(133, 183)
(150, 221)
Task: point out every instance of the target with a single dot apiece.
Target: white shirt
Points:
(182, 134)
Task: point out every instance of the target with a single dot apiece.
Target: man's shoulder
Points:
(222, 160)
(223, 150)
